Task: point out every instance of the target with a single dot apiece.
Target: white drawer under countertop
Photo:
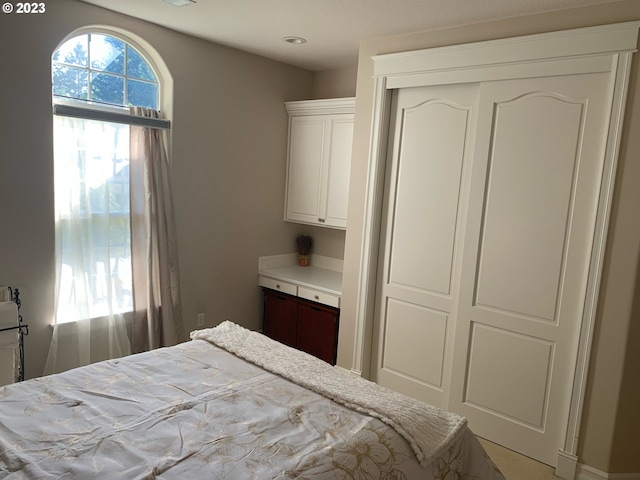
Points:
(318, 296)
(320, 282)
(279, 285)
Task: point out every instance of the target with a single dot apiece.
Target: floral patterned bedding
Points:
(195, 411)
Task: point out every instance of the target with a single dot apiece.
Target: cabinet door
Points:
(318, 169)
(336, 190)
(318, 331)
(305, 168)
(281, 317)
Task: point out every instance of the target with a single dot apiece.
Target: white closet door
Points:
(417, 285)
(536, 174)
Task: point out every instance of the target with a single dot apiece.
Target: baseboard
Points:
(568, 468)
(351, 371)
(585, 472)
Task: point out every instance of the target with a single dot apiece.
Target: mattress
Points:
(198, 411)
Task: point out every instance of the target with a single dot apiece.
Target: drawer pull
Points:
(321, 220)
(278, 286)
(320, 297)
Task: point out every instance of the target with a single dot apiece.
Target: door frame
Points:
(606, 49)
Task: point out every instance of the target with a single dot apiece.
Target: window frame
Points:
(99, 111)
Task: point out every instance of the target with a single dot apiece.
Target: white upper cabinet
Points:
(319, 161)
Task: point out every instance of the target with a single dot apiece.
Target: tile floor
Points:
(515, 466)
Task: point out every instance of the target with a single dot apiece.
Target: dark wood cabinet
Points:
(302, 324)
(281, 317)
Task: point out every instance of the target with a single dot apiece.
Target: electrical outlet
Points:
(201, 319)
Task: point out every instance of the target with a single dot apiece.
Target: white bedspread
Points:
(428, 429)
(194, 411)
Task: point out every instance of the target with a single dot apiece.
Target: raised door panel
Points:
(339, 167)
(427, 192)
(414, 347)
(510, 374)
(305, 168)
(532, 171)
(424, 212)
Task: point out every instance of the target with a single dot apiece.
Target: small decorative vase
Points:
(303, 260)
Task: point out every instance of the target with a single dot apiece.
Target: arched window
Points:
(99, 68)
(110, 169)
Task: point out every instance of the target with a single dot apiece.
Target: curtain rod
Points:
(115, 117)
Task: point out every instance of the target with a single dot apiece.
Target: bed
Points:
(229, 404)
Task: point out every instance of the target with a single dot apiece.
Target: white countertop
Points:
(324, 274)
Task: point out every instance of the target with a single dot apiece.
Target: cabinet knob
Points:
(277, 285)
(321, 220)
(316, 297)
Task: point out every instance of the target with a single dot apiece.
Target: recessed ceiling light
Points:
(295, 40)
(180, 3)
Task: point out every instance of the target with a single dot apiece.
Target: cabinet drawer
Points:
(279, 285)
(318, 296)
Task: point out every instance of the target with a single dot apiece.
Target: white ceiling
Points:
(333, 28)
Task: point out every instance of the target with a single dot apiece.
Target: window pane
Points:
(138, 67)
(70, 81)
(142, 94)
(107, 88)
(107, 53)
(73, 51)
(95, 67)
(92, 208)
